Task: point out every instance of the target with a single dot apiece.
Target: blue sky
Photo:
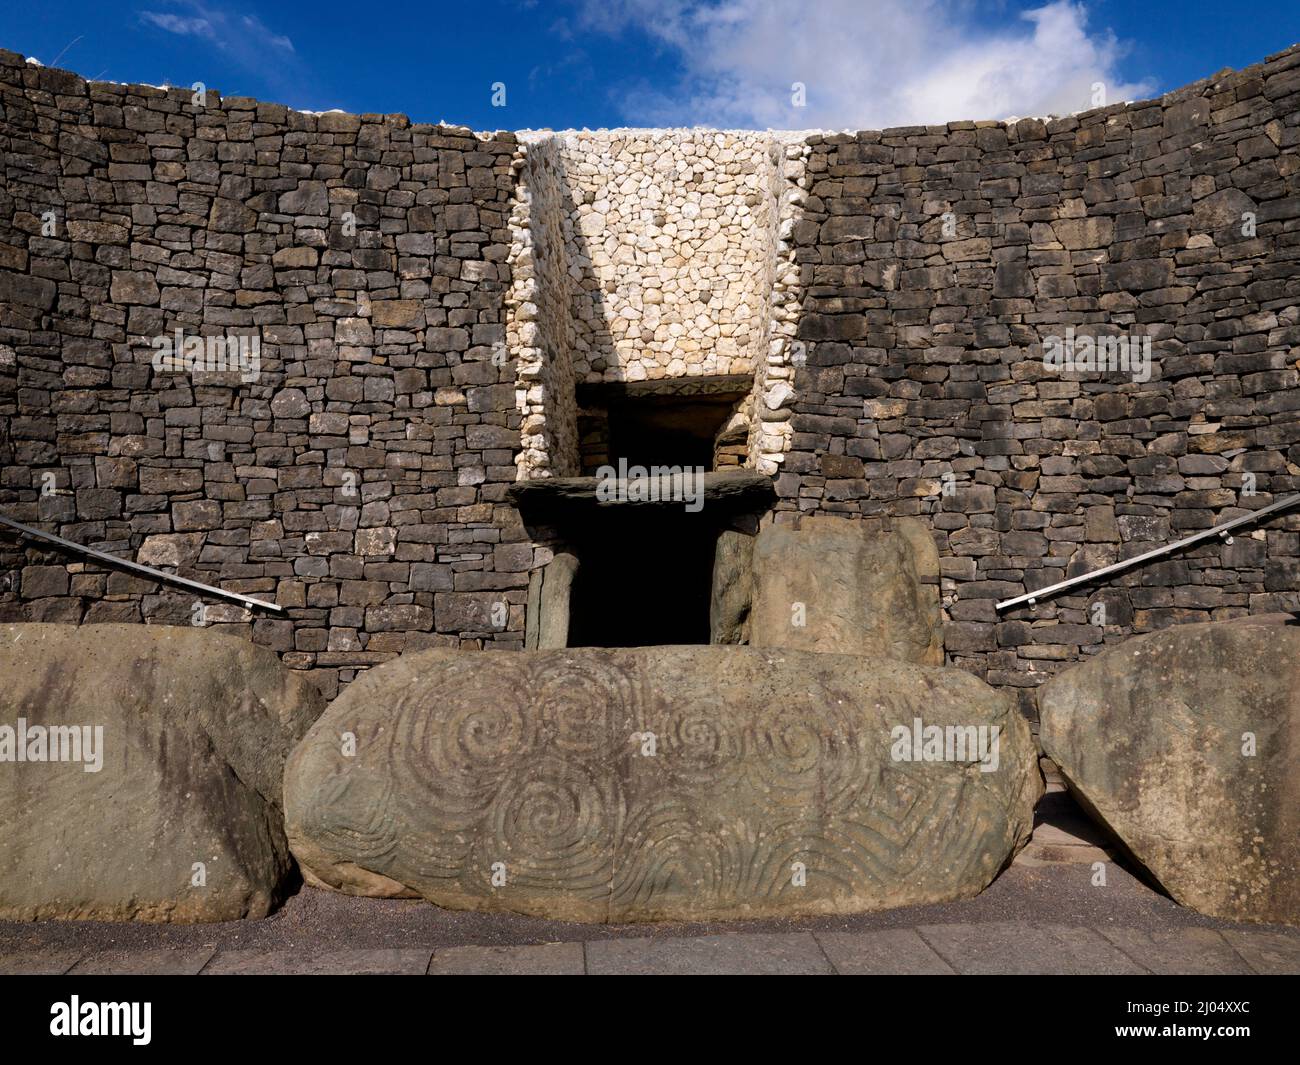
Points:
(735, 63)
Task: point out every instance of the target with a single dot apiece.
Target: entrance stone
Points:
(662, 783)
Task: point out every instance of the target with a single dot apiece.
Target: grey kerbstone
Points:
(195, 730)
(1152, 736)
(531, 766)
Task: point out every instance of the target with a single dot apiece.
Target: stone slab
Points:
(536, 959)
(1179, 952)
(378, 962)
(1013, 948)
(1267, 953)
(38, 963)
(763, 954)
(890, 952)
(181, 962)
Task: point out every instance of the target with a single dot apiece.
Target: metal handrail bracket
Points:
(1218, 530)
(136, 567)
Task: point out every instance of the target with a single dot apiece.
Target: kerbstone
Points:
(181, 821)
(1185, 743)
(661, 783)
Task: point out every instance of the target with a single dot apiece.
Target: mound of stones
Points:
(837, 585)
(141, 773)
(662, 783)
(1185, 743)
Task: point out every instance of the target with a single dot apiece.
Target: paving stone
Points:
(38, 963)
(540, 959)
(893, 951)
(1014, 948)
(1269, 953)
(179, 962)
(398, 962)
(790, 954)
(1190, 951)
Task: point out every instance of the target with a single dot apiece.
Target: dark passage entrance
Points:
(668, 431)
(644, 577)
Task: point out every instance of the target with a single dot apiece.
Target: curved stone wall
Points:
(422, 312)
(938, 265)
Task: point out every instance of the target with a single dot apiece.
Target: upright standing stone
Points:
(550, 593)
(731, 597)
(848, 587)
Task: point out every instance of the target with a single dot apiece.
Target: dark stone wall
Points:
(360, 479)
(925, 358)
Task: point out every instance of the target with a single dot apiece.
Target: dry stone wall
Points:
(426, 299)
(358, 478)
(937, 265)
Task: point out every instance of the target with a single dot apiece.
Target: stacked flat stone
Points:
(889, 291)
(925, 358)
(359, 481)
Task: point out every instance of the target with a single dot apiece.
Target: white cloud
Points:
(179, 24)
(227, 30)
(865, 66)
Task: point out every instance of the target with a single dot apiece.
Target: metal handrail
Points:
(156, 574)
(1218, 530)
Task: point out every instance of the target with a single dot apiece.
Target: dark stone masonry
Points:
(360, 480)
(924, 357)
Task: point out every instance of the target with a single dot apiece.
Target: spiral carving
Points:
(658, 783)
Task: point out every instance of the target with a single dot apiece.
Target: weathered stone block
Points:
(732, 590)
(1186, 744)
(669, 783)
(848, 587)
(164, 801)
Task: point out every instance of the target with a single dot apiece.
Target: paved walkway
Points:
(1049, 913)
(997, 947)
